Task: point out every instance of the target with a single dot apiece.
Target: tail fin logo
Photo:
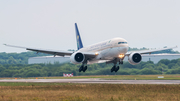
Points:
(78, 41)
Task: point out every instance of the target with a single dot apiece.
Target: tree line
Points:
(46, 70)
(18, 58)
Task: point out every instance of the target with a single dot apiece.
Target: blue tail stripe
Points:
(78, 38)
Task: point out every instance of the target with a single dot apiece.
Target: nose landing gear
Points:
(120, 62)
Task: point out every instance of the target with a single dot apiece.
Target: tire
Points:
(85, 68)
(117, 69)
(81, 68)
(113, 69)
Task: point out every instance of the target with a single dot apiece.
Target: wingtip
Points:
(5, 44)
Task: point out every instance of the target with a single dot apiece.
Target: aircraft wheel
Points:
(120, 62)
(85, 68)
(113, 68)
(117, 69)
(81, 68)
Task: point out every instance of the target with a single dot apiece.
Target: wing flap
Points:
(149, 51)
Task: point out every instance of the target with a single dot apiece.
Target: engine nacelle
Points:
(77, 58)
(134, 58)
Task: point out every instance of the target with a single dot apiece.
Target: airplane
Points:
(109, 51)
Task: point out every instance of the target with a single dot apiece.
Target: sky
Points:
(49, 24)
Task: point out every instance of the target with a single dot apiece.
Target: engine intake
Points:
(77, 58)
(134, 58)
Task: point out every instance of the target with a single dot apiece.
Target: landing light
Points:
(121, 55)
(96, 53)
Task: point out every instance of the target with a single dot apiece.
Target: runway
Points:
(94, 81)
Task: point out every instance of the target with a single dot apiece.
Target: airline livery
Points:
(109, 51)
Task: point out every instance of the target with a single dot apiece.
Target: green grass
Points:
(87, 92)
(32, 84)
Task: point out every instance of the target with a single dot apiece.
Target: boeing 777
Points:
(109, 51)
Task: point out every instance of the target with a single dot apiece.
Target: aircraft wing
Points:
(53, 52)
(89, 55)
(149, 51)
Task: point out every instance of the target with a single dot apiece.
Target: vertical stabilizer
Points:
(78, 38)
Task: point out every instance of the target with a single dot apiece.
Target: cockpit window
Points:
(122, 42)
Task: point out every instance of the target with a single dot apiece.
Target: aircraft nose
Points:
(123, 49)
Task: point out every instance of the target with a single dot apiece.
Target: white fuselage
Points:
(107, 50)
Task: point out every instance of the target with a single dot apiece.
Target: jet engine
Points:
(77, 58)
(134, 58)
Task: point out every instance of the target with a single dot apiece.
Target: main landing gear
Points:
(114, 68)
(82, 68)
